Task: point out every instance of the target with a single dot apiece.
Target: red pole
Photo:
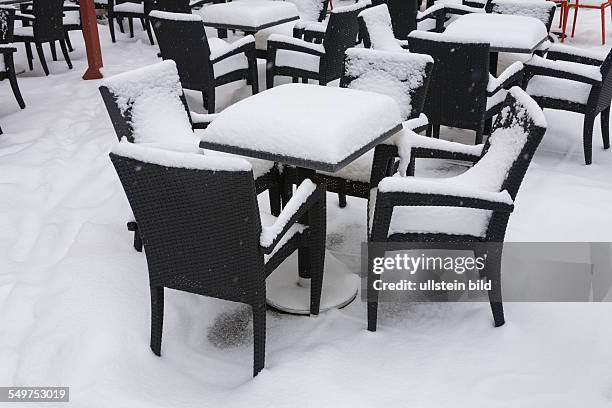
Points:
(92, 40)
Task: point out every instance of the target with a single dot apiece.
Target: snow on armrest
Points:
(217, 55)
(424, 142)
(505, 79)
(596, 55)
(416, 123)
(284, 39)
(446, 188)
(316, 27)
(21, 16)
(430, 12)
(455, 8)
(272, 233)
(579, 72)
(202, 117)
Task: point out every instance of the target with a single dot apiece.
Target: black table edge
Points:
(297, 162)
(250, 29)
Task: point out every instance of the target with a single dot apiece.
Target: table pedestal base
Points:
(288, 293)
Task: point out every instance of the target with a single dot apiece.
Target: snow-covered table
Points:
(290, 124)
(504, 33)
(249, 16)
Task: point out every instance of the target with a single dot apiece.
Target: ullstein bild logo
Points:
(529, 272)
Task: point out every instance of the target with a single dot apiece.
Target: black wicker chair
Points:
(462, 93)
(363, 70)
(122, 91)
(130, 10)
(173, 6)
(301, 58)
(72, 22)
(202, 230)
(466, 210)
(574, 80)
(43, 25)
(203, 63)
(7, 49)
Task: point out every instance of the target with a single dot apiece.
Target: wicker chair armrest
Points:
(201, 120)
(71, 7)
(416, 124)
(283, 42)
(513, 75)
(24, 17)
(306, 197)
(559, 69)
(241, 46)
(198, 3)
(403, 44)
(573, 54)
(414, 192)
(7, 48)
(431, 12)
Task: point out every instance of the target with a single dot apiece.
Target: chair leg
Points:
(275, 200)
(10, 65)
(149, 31)
(210, 101)
(131, 26)
(120, 21)
(259, 337)
(41, 56)
(28, 48)
(493, 273)
(269, 78)
(480, 133)
(342, 200)
(53, 50)
(587, 137)
(605, 127)
(143, 24)
(68, 43)
(65, 52)
(575, 17)
(111, 27)
(565, 15)
(436, 131)
(157, 318)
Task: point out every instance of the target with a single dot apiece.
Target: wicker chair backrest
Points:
(7, 23)
(376, 29)
(174, 6)
(542, 10)
(341, 34)
(49, 23)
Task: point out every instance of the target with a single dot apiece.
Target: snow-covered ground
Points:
(74, 298)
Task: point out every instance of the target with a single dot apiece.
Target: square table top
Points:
(505, 33)
(248, 15)
(310, 126)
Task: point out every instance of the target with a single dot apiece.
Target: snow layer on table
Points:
(293, 120)
(170, 158)
(558, 88)
(253, 13)
(471, 38)
(299, 197)
(585, 70)
(499, 30)
(166, 15)
(530, 8)
(597, 54)
(395, 74)
(378, 23)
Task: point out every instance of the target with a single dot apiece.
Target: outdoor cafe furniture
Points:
(7, 49)
(542, 10)
(249, 17)
(299, 58)
(464, 211)
(574, 80)
(402, 76)
(290, 124)
(129, 10)
(503, 33)
(462, 93)
(147, 106)
(43, 25)
(204, 63)
(204, 233)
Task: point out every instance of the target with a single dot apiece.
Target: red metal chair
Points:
(587, 4)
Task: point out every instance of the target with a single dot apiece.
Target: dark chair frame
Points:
(130, 16)
(7, 15)
(457, 95)
(207, 240)
(340, 34)
(386, 201)
(186, 43)
(599, 99)
(46, 19)
(496, 8)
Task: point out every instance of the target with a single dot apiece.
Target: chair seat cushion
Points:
(559, 88)
(129, 7)
(23, 32)
(299, 60)
(444, 220)
(230, 64)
